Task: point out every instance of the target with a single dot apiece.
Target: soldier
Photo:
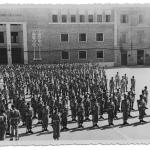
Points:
(56, 125)
(95, 114)
(14, 121)
(116, 106)
(145, 94)
(125, 106)
(117, 80)
(29, 115)
(80, 115)
(8, 119)
(126, 82)
(111, 85)
(34, 106)
(86, 104)
(123, 84)
(73, 107)
(133, 83)
(45, 117)
(118, 96)
(110, 111)
(64, 118)
(141, 107)
(39, 110)
(3, 124)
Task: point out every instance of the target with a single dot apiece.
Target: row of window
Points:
(139, 36)
(14, 37)
(125, 18)
(82, 37)
(82, 54)
(82, 19)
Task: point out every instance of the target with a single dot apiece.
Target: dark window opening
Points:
(99, 37)
(90, 18)
(14, 37)
(82, 54)
(99, 18)
(65, 55)
(73, 18)
(1, 37)
(64, 18)
(55, 18)
(82, 37)
(64, 37)
(107, 18)
(100, 54)
(82, 18)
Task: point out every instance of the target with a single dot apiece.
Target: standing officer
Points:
(125, 106)
(45, 117)
(29, 115)
(86, 104)
(73, 107)
(133, 83)
(64, 118)
(56, 125)
(141, 108)
(80, 115)
(117, 80)
(95, 114)
(14, 121)
(110, 111)
(3, 124)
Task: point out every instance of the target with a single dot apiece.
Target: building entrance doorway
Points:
(3, 55)
(17, 56)
(140, 57)
(124, 58)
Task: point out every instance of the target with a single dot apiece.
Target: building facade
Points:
(112, 35)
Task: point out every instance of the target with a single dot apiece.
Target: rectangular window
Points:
(82, 18)
(82, 54)
(100, 54)
(73, 18)
(14, 37)
(124, 37)
(65, 55)
(55, 18)
(140, 19)
(124, 19)
(99, 37)
(64, 37)
(90, 18)
(82, 37)
(99, 18)
(107, 18)
(1, 37)
(64, 18)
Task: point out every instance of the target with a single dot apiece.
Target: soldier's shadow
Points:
(44, 133)
(25, 134)
(109, 127)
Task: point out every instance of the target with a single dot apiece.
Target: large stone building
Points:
(109, 34)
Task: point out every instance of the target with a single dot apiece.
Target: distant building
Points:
(112, 35)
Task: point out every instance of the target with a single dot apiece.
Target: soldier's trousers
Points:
(14, 131)
(2, 133)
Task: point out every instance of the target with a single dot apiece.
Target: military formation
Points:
(52, 94)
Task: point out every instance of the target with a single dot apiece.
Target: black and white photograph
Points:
(74, 73)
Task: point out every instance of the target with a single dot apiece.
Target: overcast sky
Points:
(72, 1)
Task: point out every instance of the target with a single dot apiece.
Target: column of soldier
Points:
(51, 92)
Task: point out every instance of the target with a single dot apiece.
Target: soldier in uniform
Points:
(14, 121)
(73, 107)
(34, 106)
(126, 82)
(110, 111)
(133, 83)
(86, 104)
(95, 114)
(125, 106)
(45, 117)
(111, 85)
(29, 115)
(56, 125)
(80, 115)
(141, 107)
(3, 124)
(64, 118)
(117, 80)
(39, 110)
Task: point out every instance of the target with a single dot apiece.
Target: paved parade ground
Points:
(133, 131)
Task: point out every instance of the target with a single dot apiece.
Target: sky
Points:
(71, 1)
